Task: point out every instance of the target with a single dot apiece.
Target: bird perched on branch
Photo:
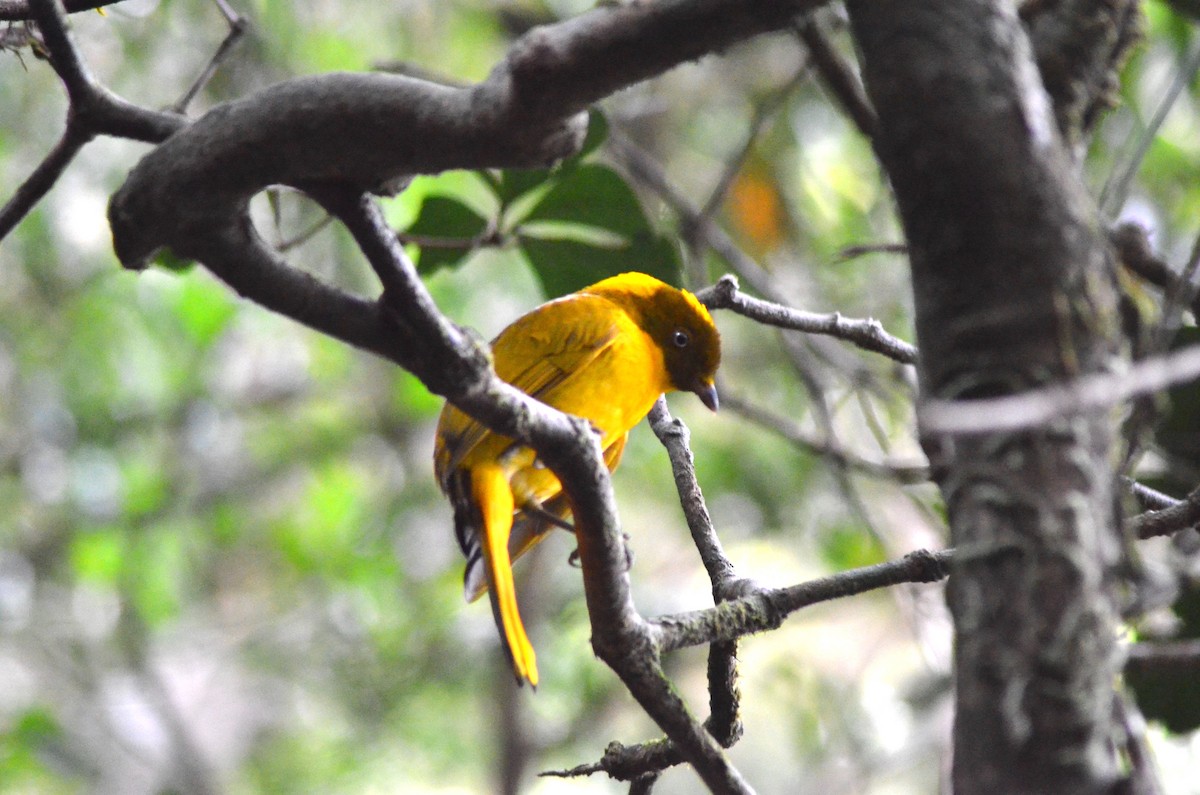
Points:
(606, 354)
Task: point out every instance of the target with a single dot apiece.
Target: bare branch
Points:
(1143, 776)
(853, 252)
(765, 608)
(1132, 245)
(94, 108)
(1148, 498)
(43, 178)
(1175, 655)
(93, 111)
(841, 79)
(1036, 407)
(1079, 45)
(1165, 521)
(237, 29)
(906, 473)
(1116, 187)
(675, 436)
(764, 111)
(724, 722)
(866, 334)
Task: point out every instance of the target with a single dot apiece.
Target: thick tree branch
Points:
(1079, 46)
(1013, 288)
(368, 130)
(19, 10)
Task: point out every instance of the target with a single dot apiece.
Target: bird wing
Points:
(538, 354)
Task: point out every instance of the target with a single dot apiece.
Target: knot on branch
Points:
(722, 294)
(926, 566)
(627, 762)
(729, 588)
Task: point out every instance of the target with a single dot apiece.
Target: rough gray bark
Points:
(1013, 288)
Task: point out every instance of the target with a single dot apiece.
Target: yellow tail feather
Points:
(490, 489)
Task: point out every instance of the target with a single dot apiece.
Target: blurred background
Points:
(224, 563)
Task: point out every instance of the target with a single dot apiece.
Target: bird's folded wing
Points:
(538, 354)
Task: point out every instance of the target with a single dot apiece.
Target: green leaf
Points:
(594, 195)
(448, 219)
(566, 265)
(514, 183)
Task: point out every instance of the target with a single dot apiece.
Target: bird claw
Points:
(573, 558)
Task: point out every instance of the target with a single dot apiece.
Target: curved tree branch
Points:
(19, 10)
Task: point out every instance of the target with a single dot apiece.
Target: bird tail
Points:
(491, 492)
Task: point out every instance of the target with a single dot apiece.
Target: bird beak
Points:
(707, 393)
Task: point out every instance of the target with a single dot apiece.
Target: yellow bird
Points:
(605, 353)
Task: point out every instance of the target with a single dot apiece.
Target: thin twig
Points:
(237, 29)
(1171, 655)
(1165, 521)
(904, 473)
(1116, 187)
(854, 252)
(1132, 244)
(1179, 294)
(43, 178)
(837, 74)
(675, 436)
(765, 608)
(303, 237)
(1150, 499)
(1038, 406)
(867, 334)
(1144, 778)
(763, 113)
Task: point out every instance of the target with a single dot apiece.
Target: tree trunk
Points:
(1013, 289)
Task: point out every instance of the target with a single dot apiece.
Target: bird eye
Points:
(680, 338)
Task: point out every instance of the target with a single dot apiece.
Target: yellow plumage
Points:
(605, 353)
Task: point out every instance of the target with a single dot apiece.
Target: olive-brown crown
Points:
(677, 322)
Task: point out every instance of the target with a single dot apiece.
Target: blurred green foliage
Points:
(221, 543)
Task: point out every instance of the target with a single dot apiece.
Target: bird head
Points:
(678, 323)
